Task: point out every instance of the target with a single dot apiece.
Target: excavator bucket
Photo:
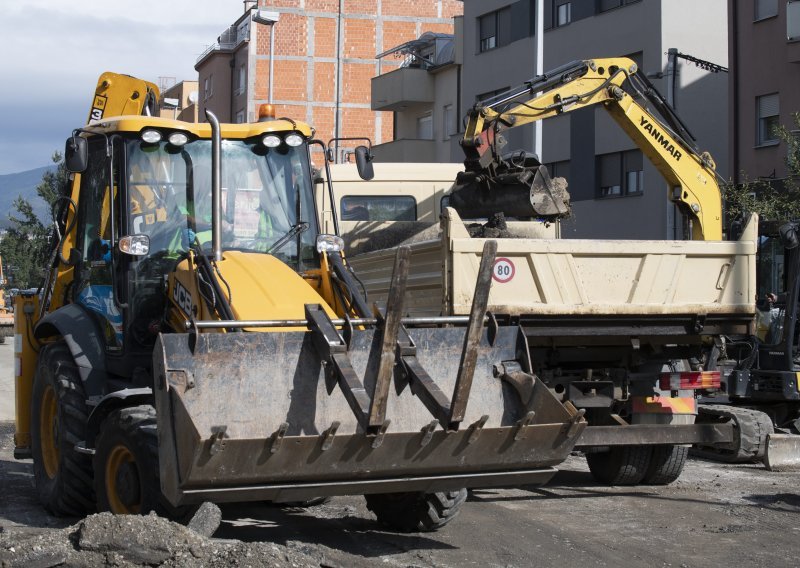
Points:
(290, 415)
(783, 452)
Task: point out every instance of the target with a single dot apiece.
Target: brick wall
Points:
(305, 61)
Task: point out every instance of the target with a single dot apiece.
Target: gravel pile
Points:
(131, 540)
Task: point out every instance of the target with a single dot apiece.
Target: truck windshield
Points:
(263, 191)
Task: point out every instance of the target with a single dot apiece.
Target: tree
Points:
(773, 200)
(26, 246)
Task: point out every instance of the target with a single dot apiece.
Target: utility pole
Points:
(537, 125)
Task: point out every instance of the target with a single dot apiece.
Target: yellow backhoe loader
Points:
(198, 340)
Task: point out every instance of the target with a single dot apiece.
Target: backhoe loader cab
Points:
(198, 340)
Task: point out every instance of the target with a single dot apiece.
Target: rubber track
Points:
(753, 426)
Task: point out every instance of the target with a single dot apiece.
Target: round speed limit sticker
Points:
(503, 270)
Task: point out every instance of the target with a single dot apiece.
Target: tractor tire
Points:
(666, 464)
(59, 416)
(621, 465)
(126, 464)
(412, 512)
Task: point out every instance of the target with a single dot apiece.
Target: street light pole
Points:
(269, 18)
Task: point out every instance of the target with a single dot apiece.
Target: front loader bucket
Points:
(783, 452)
(251, 416)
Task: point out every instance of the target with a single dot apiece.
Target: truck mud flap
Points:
(251, 416)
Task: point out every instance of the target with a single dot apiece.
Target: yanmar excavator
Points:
(518, 186)
(198, 339)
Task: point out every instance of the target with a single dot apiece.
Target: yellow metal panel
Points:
(26, 309)
(266, 288)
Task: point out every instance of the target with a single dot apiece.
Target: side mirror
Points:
(364, 163)
(76, 154)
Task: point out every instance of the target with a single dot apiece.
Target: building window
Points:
(620, 173)
(378, 208)
(606, 5)
(208, 87)
(563, 14)
(242, 77)
(634, 172)
(766, 9)
(559, 169)
(425, 127)
(494, 29)
(768, 109)
(448, 122)
(486, 98)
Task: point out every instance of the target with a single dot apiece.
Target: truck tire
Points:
(59, 416)
(666, 464)
(411, 512)
(621, 465)
(126, 464)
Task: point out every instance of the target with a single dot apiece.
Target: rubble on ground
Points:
(132, 541)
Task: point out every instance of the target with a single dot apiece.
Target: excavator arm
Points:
(580, 84)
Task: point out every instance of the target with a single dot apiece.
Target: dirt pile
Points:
(131, 540)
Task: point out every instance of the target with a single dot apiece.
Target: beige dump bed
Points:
(550, 276)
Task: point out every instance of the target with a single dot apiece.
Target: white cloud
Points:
(54, 53)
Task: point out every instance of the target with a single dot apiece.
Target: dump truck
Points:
(198, 338)
(622, 330)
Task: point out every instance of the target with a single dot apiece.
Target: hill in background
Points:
(24, 184)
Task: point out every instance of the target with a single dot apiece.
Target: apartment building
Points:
(313, 59)
(616, 192)
(179, 101)
(764, 85)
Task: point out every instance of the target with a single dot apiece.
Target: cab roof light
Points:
(177, 139)
(266, 112)
(151, 136)
(271, 140)
(294, 139)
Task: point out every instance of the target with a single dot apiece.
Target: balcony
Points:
(405, 151)
(396, 90)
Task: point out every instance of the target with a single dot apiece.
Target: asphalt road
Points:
(715, 515)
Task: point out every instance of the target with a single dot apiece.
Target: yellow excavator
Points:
(513, 183)
(198, 339)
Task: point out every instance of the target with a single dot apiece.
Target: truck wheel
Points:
(126, 463)
(59, 415)
(409, 512)
(622, 465)
(666, 464)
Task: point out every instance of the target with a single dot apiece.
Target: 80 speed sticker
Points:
(503, 270)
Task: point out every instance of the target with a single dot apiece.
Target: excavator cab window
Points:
(94, 287)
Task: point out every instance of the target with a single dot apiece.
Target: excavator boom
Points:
(616, 85)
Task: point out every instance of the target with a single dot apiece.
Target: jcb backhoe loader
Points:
(199, 340)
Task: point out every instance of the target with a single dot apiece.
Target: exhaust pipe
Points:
(216, 186)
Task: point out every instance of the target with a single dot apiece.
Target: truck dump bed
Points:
(705, 283)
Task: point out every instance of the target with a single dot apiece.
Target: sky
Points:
(54, 52)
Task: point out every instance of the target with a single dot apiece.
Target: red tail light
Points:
(690, 380)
